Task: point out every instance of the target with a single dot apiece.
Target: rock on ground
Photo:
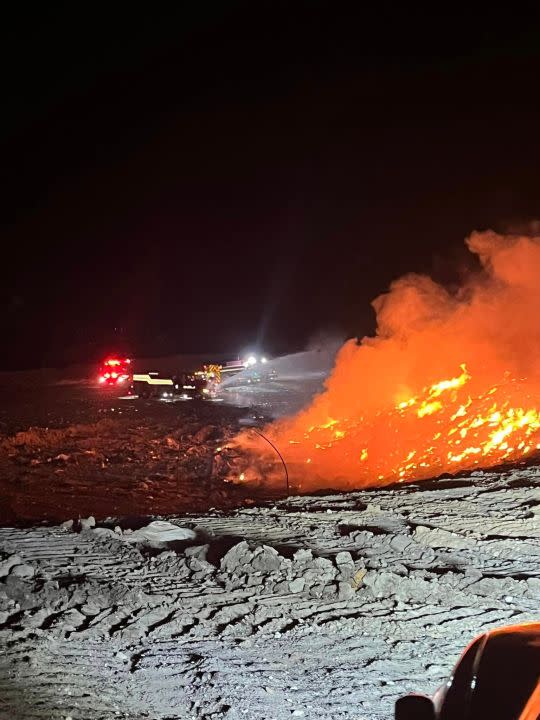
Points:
(280, 611)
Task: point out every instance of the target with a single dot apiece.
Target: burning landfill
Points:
(450, 382)
(195, 591)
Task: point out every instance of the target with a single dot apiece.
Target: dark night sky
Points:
(228, 173)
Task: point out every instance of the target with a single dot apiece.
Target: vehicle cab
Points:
(497, 677)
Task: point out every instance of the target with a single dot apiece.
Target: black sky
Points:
(202, 179)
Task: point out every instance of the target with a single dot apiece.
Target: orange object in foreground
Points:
(532, 710)
(497, 677)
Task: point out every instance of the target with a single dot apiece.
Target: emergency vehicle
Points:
(114, 371)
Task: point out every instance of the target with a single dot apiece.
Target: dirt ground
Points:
(76, 451)
(69, 448)
(161, 607)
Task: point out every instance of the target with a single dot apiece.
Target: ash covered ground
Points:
(188, 597)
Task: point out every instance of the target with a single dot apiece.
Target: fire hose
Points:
(280, 457)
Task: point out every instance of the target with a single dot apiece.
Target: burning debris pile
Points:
(450, 382)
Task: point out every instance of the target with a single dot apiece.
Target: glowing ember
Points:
(456, 429)
(451, 381)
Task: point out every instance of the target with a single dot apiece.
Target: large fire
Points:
(451, 381)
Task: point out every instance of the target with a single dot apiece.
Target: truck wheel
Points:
(145, 392)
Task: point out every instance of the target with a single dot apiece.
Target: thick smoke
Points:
(424, 334)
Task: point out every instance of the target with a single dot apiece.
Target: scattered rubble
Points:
(277, 611)
(124, 466)
(159, 534)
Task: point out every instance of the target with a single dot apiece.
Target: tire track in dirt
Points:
(314, 606)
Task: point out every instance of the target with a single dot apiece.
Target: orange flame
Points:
(395, 409)
(452, 434)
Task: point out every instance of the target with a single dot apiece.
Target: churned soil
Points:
(324, 606)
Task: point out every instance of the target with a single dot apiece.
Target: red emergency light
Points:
(114, 370)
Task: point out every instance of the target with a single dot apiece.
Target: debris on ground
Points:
(159, 534)
(125, 466)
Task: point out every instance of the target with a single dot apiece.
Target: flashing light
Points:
(114, 371)
(252, 360)
(264, 360)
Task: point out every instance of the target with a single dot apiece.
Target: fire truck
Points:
(114, 371)
(201, 384)
(182, 385)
